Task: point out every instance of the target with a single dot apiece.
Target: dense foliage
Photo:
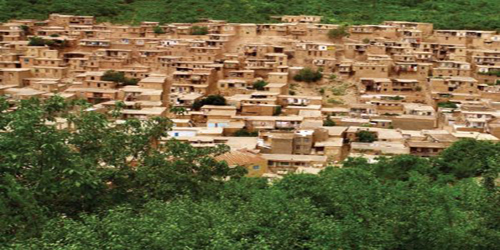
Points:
(118, 77)
(100, 184)
(338, 33)
(158, 30)
(91, 164)
(308, 75)
(216, 100)
(366, 136)
(199, 31)
(245, 133)
(328, 122)
(450, 105)
(445, 14)
(259, 85)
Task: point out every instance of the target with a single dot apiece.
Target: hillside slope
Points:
(449, 14)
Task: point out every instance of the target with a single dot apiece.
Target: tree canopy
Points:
(308, 75)
(259, 85)
(118, 77)
(216, 100)
(445, 14)
(76, 179)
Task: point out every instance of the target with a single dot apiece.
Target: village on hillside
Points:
(294, 95)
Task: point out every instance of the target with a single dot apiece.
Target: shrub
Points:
(198, 31)
(259, 85)
(366, 136)
(491, 73)
(113, 76)
(340, 32)
(335, 101)
(118, 77)
(217, 100)
(25, 29)
(277, 111)
(308, 75)
(36, 41)
(158, 30)
(328, 122)
(448, 104)
(245, 133)
(340, 90)
(395, 98)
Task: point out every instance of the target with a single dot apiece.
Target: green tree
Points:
(245, 133)
(259, 85)
(337, 209)
(216, 100)
(158, 30)
(470, 158)
(308, 75)
(119, 77)
(36, 41)
(199, 30)
(450, 105)
(277, 110)
(338, 33)
(328, 122)
(366, 136)
(92, 164)
(178, 110)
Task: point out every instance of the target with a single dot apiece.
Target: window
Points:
(256, 167)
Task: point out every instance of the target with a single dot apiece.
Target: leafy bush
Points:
(338, 33)
(277, 111)
(448, 104)
(37, 41)
(118, 77)
(199, 31)
(158, 30)
(328, 122)
(491, 73)
(259, 85)
(308, 75)
(245, 133)
(217, 100)
(395, 98)
(339, 90)
(335, 101)
(366, 136)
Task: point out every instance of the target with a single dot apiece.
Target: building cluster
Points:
(389, 89)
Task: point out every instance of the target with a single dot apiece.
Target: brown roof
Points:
(240, 157)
